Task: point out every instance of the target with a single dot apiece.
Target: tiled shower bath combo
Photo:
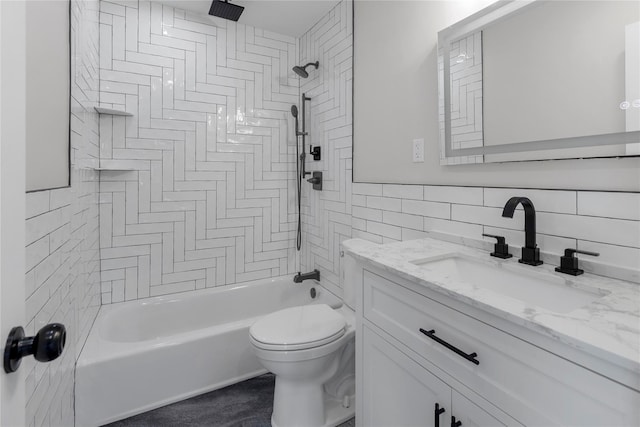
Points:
(178, 231)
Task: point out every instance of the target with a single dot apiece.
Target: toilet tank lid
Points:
(298, 325)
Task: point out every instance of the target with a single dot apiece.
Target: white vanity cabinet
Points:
(402, 372)
(398, 391)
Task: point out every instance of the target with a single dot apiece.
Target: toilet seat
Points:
(298, 328)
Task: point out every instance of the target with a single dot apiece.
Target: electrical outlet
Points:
(418, 150)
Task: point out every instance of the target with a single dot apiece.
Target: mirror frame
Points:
(491, 14)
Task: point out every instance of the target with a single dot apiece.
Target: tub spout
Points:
(315, 275)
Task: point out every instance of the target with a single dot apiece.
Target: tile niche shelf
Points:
(116, 166)
(113, 165)
(113, 112)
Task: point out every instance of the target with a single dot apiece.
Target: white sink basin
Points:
(519, 282)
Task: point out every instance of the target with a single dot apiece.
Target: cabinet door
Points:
(470, 414)
(397, 391)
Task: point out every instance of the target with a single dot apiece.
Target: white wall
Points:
(395, 101)
(48, 80)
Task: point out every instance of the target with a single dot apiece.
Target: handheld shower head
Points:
(302, 71)
(294, 113)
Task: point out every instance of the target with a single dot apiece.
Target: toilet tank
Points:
(351, 276)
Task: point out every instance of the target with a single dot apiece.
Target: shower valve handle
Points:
(315, 152)
(316, 180)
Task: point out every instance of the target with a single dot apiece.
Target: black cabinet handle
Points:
(436, 415)
(455, 423)
(470, 357)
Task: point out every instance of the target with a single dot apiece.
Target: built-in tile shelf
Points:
(117, 165)
(113, 112)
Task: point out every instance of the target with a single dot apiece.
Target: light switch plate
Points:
(418, 150)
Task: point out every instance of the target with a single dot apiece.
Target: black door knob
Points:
(45, 346)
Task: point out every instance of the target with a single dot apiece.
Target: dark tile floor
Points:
(246, 404)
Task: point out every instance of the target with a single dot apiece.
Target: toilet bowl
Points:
(311, 351)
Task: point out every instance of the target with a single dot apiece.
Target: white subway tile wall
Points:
(209, 199)
(327, 213)
(62, 251)
(605, 222)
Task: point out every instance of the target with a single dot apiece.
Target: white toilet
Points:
(311, 351)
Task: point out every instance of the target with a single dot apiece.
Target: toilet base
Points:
(335, 413)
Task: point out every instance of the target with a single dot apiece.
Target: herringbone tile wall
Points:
(208, 199)
(327, 213)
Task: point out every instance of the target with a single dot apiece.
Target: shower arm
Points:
(304, 133)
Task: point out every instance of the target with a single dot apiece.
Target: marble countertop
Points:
(608, 328)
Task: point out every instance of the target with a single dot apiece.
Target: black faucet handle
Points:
(569, 262)
(501, 239)
(500, 249)
(569, 252)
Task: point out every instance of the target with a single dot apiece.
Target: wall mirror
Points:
(48, 94)
(538, 80)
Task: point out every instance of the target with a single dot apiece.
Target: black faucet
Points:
(315, 275)
(530, 251)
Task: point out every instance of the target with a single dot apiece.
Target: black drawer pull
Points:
(470, 357)
(455, 423)
(436, 415)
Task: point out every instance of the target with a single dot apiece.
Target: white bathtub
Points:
(145, 354)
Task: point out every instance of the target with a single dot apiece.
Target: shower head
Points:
(302, 71)
(226, 10)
